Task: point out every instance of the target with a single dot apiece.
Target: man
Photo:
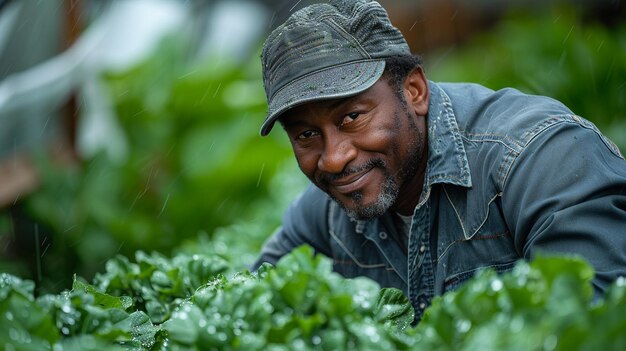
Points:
(418, 184)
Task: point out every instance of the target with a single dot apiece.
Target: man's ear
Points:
(416, 91)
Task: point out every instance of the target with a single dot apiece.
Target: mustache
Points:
(327, 178)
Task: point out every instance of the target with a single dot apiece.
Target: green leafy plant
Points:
(155, 283)
(81, 319)
(301, 304)
(545, 305)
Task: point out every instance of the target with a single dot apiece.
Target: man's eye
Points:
(306, 135)
(350, 117)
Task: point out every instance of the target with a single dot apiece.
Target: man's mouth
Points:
(351, 183)
(350, 180)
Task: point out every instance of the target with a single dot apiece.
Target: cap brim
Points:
(330, 83)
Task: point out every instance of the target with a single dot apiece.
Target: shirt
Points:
(508, 176)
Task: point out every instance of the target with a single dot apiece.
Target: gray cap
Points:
(327, 50)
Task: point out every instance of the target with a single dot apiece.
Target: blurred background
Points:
(133, 125)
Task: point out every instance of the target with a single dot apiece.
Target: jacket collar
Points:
(447, 160)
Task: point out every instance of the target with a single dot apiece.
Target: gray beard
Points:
(385, 200)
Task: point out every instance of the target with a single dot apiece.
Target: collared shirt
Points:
(509, 176)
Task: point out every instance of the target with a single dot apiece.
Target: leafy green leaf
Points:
(23, 324)
(393, 306)
(101, 299)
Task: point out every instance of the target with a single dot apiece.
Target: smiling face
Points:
(368, 152)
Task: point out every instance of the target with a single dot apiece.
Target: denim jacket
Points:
(509, 175)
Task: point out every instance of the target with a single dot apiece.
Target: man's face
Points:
(367, 152)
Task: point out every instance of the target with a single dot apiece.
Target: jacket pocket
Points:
(457, 280)
(359, 257)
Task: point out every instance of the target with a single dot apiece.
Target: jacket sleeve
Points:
(566, 193)
(304, 222)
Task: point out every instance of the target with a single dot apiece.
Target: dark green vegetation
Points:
(201, 188)
(186, 303)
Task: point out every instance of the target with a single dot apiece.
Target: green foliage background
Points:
(196, 162)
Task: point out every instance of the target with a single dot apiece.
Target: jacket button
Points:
(422, 248)
(422, 306)
(382, 235)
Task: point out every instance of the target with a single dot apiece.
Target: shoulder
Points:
(498, 125)
(509, 113)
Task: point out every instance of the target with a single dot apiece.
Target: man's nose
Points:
(337, 154)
